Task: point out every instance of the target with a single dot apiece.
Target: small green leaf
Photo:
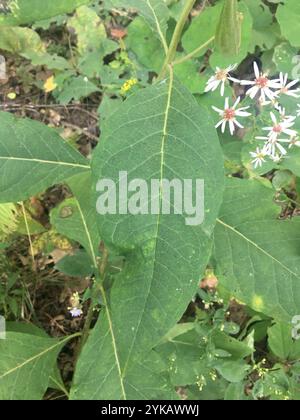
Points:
(283, 56)
(77, 265)
(233, 371)
(281, 342)
(76, 88)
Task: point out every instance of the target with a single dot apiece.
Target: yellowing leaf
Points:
(12, 95)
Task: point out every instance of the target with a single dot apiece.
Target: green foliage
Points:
(20, 40)
(288, 15)
(256, 270)
(26, 356)
(29, 162)
(154, 11)
(75, 217)
(175, 125)
(228, 33)
(28, 11)
(8, 219)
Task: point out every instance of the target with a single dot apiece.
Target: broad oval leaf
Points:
(159, 133)
(257, 254)
(26, 364)
(32, 158)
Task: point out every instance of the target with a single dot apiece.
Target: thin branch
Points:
(177, 36)
(29, 236)
(194, 53)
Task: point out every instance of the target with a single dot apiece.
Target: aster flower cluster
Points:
(280, 135)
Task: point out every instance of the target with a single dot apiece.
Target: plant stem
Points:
(177, 36)
(29, 236)
(100, 277)
(195, 52)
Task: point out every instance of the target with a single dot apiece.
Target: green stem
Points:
(195, 52)
(89, 318)
(177, 36)
(29, 236)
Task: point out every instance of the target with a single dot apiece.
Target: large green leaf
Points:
(257, 254)
(159, 133)
(26, 364)
(32, 158)
(20, 40)
(28, 11)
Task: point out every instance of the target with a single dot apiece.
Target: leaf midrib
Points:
(162, 153)
(46, 162)
(161, 35)
(37, 356)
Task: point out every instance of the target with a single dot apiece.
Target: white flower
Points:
(274, 103)
(272, 144)
(277, 158)
(294, 141)
(259, 157)
(76, 312)
(284, 117)
(221, 76)
(261, 84)
(281, 127)
(229, 115)
(285, 87)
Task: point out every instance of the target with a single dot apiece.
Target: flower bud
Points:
(228, 34)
